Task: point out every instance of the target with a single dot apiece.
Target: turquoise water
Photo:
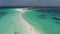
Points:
(9, 23)
(43, 22)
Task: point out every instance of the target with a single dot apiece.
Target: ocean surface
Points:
(9, 23)
(44, 22)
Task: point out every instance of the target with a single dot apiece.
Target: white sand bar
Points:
(29, 29)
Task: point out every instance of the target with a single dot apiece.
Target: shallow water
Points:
(43, 22)
(9, 23)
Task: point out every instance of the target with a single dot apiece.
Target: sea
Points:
(45, 21)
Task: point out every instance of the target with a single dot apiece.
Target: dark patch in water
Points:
(55, 18)
(50, 10)
(57, 22)
(2, 13)
(42, 16)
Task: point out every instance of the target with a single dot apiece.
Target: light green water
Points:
(43, 22)
(9, 23)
